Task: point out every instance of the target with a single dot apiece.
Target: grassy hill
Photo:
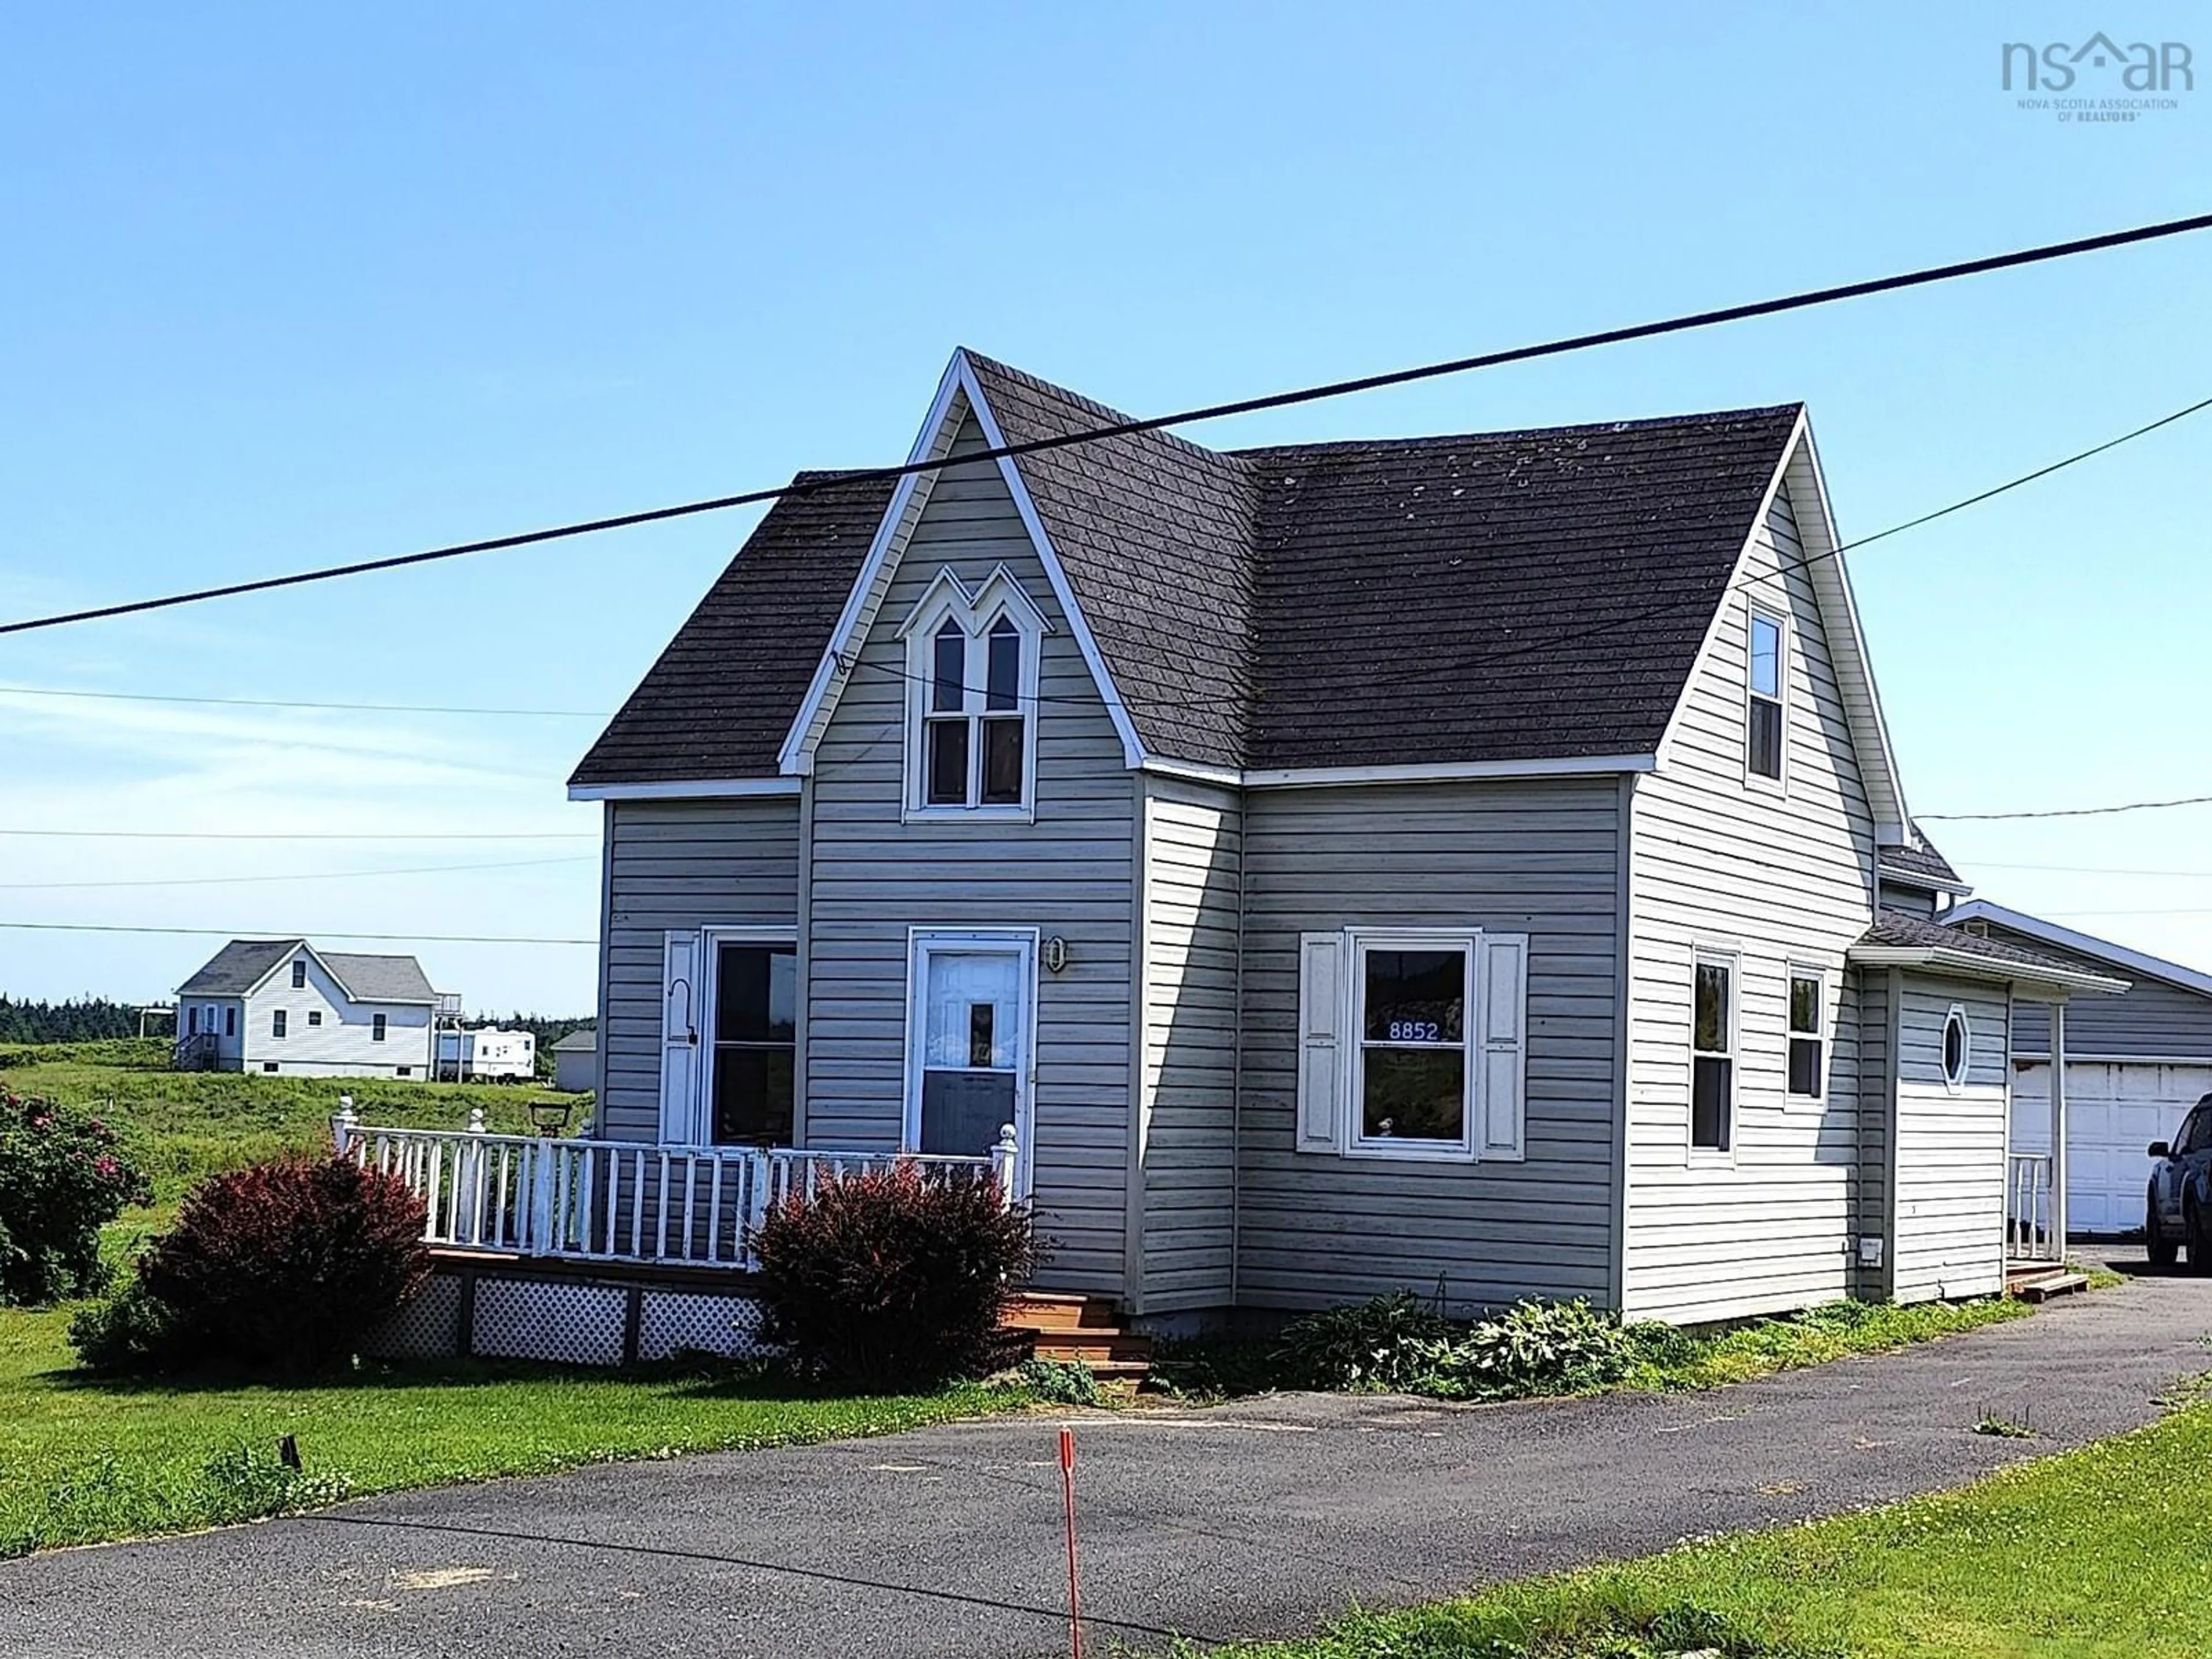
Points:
(183, 1125)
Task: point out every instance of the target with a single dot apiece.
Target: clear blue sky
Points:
(284, 287)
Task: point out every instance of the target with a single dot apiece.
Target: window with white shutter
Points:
(1411, 1043)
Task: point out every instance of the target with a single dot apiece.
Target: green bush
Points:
(1060, 1382)
(62, 1178)
(128, 1334)
(1383, 1345)
(1532, 1348)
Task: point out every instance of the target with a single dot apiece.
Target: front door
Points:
(968, 1060)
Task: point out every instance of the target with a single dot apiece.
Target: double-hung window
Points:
(1411, 1043)
(973, 662)
(300, 974)
(276, 1023)
(1766, 671)
(376, 1026)
(1712, 1053)
(1808, 1006)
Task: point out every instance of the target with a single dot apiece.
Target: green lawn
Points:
(81, 1461)
(2100, 1554)
(183, 1125)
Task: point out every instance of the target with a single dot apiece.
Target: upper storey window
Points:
(1766, 680)
(973, 660)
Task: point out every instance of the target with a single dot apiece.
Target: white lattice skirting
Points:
(500, 1312)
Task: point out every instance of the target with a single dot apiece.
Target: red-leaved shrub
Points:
(280, 1267)
(892, 1278)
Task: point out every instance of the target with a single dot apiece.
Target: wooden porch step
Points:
(1044, 1310)
(2041, 1287)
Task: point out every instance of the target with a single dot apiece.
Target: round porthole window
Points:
(1958, 1047)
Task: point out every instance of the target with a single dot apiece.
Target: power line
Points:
(1800, 301)
(280, 933)
(2064, 812)
(307, 834)
(326, 875)
(2095, 870)
(289, 702)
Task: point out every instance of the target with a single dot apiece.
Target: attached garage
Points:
(2135, 1064)
(2114, 1110)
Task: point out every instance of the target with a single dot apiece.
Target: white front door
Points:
(971, 1010)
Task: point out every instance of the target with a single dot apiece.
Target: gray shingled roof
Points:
(245, 963)
(1921, 861)
(238, 967)
(577, 1042)
(379, 978)
(1895, 929)
(1302, 606)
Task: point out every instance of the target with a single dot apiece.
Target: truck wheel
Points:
(2162, 1251)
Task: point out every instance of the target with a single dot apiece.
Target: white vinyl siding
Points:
(679, 866)
(873, 876)
(1947, 1236)
(1538, 858)
(341, 1045)
(1192, 888)
(1776, 878)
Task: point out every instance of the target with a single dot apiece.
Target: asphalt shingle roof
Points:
(1921, 860)
(245, 963)
(238, 967)
(1896, 929)
(1498, 596)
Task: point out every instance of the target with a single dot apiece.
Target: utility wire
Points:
(323, 875)
(2064, 812)
(1799, 301)
(305, 834)
(291, 703)
(281, 932)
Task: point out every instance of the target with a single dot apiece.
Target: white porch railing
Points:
(2029, 1233)
(613, 1200)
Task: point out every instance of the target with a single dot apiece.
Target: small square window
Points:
(314, 1017)
(268, 1065)
(406, 1070)
(1806, 996)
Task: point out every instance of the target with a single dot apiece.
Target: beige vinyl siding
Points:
(683, 864)
(1193, 868)
(873, 877)
(1948, 1230)
(1539, 857)
(1783, 879)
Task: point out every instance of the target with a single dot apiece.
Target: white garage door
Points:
(2113, 1112)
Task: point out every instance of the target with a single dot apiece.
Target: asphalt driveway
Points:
(1259, 1518)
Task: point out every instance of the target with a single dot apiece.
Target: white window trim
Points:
(1820, 1033)
(1722, 1157)
(1956, 1085)
(709, 1000)
(921, 943)
(1352, 1050)
(976, 613)
(280, 1025)
(1756, 609)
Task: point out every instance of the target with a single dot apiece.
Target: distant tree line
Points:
(81, 1019)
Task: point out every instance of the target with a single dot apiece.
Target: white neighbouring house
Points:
(280, 1006)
